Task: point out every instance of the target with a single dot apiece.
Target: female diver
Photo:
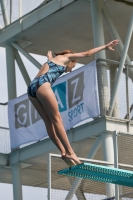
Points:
(44, 100)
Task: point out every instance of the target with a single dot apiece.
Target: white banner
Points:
(77, 97)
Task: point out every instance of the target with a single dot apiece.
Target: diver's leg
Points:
(47, 98)
(49, 126)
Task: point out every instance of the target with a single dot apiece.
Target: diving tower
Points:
(78, 25)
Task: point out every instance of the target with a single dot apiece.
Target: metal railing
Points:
(124, 102)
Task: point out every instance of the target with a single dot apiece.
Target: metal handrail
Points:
(112, 61)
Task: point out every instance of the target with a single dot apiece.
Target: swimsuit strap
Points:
(51, 64)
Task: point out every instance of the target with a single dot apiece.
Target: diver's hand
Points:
(49, 55)
(112, 44)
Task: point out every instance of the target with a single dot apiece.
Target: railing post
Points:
(116, 162)
(113, 72)
(16, 178)
(49, 176)
(127, 98)
(11, 75)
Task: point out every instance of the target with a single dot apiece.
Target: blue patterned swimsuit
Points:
(50, 76)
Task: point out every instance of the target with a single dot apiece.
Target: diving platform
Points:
(100, 173)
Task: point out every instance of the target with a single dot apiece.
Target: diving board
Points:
(100, 173)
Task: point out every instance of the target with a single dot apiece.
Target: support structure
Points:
(4, 12)
(49, 177)
(95, 147)
(108, 155)
(113, 32)
(10, 11)
(122, 62)
(16, 179)
(113, 72)
(22, 68)
(97, 24)
(107, 138)
(27, 55)
(20, 8)
(11, 75)
(98, 33)
(116, 162)
(127, 98)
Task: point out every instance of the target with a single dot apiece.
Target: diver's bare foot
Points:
(68, 161)
(72, 157)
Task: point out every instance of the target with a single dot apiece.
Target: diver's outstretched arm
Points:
(90, 52)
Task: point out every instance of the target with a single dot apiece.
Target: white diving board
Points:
(100, 173)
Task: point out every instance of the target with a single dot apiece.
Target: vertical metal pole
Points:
(16, 179)
(108, 155)
(116, 162)
(4, 12)
(22, 68)
(11, 78)
(77, 181)
(113, 72)
(20, 8)
(49, 176)
(122, 62)
(10, 11)
(127, 98)
(98, 32)
(97, 24)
